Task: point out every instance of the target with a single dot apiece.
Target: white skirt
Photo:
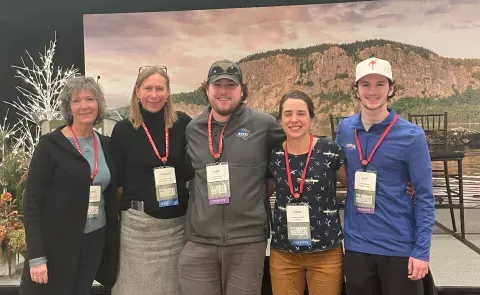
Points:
(149, 252)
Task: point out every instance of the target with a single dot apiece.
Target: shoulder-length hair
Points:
(135, 114)
(73, 86)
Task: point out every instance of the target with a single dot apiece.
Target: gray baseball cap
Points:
(225, 69)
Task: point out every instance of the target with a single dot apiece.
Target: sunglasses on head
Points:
(143, 68)
(217, 70)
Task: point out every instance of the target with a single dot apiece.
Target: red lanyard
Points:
(210, 139)
(95, 151)
(296, 195)
(163, 159)
(359, 147)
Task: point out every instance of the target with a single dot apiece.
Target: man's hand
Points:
(39, 273)
(417, 269)
(410, 189)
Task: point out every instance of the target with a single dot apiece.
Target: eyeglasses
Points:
(217, 70)
(143, 68)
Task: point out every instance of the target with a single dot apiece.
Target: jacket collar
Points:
(230, 128)
(357, 121)
(61, 140)
(203, 117)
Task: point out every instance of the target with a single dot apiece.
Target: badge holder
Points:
(298, 225)
(365, 191)
(166, 186)
(94, 201)
(218, 183)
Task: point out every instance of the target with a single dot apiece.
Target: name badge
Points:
(94, 201)
(166, 186)
(365, 186)
(218, 183)
(298, 225)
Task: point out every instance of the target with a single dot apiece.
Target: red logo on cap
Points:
(373, 62)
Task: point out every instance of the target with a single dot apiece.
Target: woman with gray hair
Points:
(70, 208)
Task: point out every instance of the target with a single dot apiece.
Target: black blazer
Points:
(55, 212)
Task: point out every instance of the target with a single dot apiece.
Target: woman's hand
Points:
(39, 273)
(410, 189)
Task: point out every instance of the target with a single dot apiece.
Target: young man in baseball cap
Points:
(387, 232)
(227, 223)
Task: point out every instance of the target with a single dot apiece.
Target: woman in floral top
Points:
(306, 245)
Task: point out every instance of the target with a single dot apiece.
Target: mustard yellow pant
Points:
(322, 272)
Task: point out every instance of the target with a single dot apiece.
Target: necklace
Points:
(86, 142)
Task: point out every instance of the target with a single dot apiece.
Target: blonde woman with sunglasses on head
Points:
(148, 150)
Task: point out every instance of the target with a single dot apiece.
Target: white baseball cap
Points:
(373, 65)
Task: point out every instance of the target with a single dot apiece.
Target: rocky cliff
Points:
(326, 72)
(332, 72)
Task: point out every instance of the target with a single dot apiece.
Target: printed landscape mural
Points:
(432, 46)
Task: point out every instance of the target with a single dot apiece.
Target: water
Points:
(471, 126)
(471, 171)
(471, 179)
(324, 130)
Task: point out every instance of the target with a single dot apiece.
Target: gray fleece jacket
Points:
(248, 139)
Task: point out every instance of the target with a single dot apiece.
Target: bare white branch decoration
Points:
(45, 83)
(40, 101)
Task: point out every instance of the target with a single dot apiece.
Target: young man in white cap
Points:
(387, 232)
(227, 223)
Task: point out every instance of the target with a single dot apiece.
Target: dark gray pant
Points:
(222, 270)
(368, 274)
(91, 253)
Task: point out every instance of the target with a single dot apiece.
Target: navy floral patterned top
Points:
(319, 193)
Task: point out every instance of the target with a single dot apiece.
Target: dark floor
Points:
(447, 254)
(100, 291)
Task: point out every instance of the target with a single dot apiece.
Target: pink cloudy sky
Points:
(187, 42)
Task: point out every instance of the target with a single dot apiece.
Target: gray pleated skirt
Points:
(149, 252)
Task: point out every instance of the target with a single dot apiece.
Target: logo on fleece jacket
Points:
(243, 133)
(350, 146)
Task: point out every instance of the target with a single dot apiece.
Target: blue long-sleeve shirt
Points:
(401, 226)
